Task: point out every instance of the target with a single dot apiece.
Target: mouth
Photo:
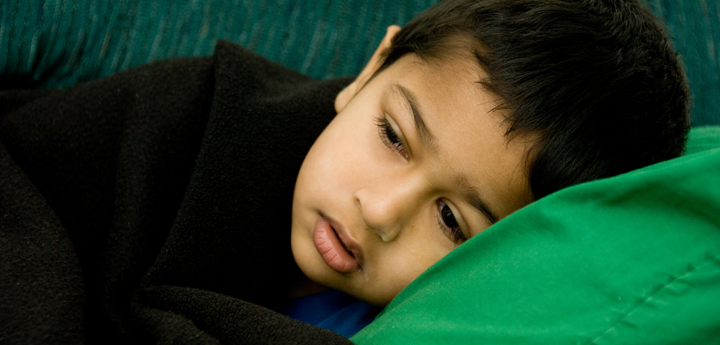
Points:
(337, 249)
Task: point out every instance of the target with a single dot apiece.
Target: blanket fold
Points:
(154, 205)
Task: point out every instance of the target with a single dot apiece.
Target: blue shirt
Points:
(333, 310)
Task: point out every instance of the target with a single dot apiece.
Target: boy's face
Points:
(415, 163)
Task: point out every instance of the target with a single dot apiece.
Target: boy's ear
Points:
(344, 97)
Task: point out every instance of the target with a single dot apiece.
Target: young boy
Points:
(154, 205)
(484, 106)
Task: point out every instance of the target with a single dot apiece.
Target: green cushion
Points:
(625, 260)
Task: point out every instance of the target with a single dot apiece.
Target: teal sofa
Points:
(58, 43)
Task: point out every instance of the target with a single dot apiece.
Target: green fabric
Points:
(626, 260)
(58, 43)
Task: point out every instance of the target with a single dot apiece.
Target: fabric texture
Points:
(633, 259)
(153, 206)
(58, 43)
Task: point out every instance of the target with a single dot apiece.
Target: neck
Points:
(305, 287)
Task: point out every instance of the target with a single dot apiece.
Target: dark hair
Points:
(597, 81)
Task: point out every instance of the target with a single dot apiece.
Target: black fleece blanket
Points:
(154, 206)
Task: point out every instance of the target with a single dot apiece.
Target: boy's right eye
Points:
(389, 137)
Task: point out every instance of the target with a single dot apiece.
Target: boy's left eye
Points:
(389, 137)
(449, 224)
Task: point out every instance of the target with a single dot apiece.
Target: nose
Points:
(388, 206)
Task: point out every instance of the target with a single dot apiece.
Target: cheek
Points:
(408, 258)
(343, 153)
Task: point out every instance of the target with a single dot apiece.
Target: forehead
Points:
(469, 144)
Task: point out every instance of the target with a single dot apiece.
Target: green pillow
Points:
(629, 259)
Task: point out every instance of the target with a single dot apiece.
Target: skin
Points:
(384, 193)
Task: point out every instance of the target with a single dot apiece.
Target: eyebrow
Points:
(423, 132)
(474, 199)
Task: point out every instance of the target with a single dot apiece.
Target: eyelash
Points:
(389, 137)
(451, 230)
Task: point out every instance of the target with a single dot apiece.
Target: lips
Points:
(338, 250)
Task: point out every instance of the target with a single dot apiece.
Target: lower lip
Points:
(332, 251)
